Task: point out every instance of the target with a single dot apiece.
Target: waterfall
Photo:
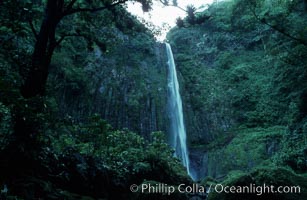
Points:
(177, 130)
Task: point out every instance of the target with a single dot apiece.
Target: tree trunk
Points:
(26, 129)
(37, 77)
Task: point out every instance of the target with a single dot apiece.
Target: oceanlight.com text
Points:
(195, 188)
(256, 189)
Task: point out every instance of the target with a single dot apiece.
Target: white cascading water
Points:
(178, 133)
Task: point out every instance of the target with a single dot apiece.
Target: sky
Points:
(165, 14)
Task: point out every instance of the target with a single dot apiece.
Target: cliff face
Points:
(126, 85)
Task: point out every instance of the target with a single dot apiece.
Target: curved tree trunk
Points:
(45, 44)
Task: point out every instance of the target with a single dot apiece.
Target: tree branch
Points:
(69, 6)
(76, 10)
(180, 8)
(33, 29)
(69, 35)
(264, 21)
(173, 5)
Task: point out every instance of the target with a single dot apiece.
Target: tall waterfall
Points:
(178, 133)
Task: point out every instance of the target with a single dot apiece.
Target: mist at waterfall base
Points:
(178, 136)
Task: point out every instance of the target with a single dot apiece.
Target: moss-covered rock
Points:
(242, 149)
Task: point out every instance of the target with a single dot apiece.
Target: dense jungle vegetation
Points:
(83, 99)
